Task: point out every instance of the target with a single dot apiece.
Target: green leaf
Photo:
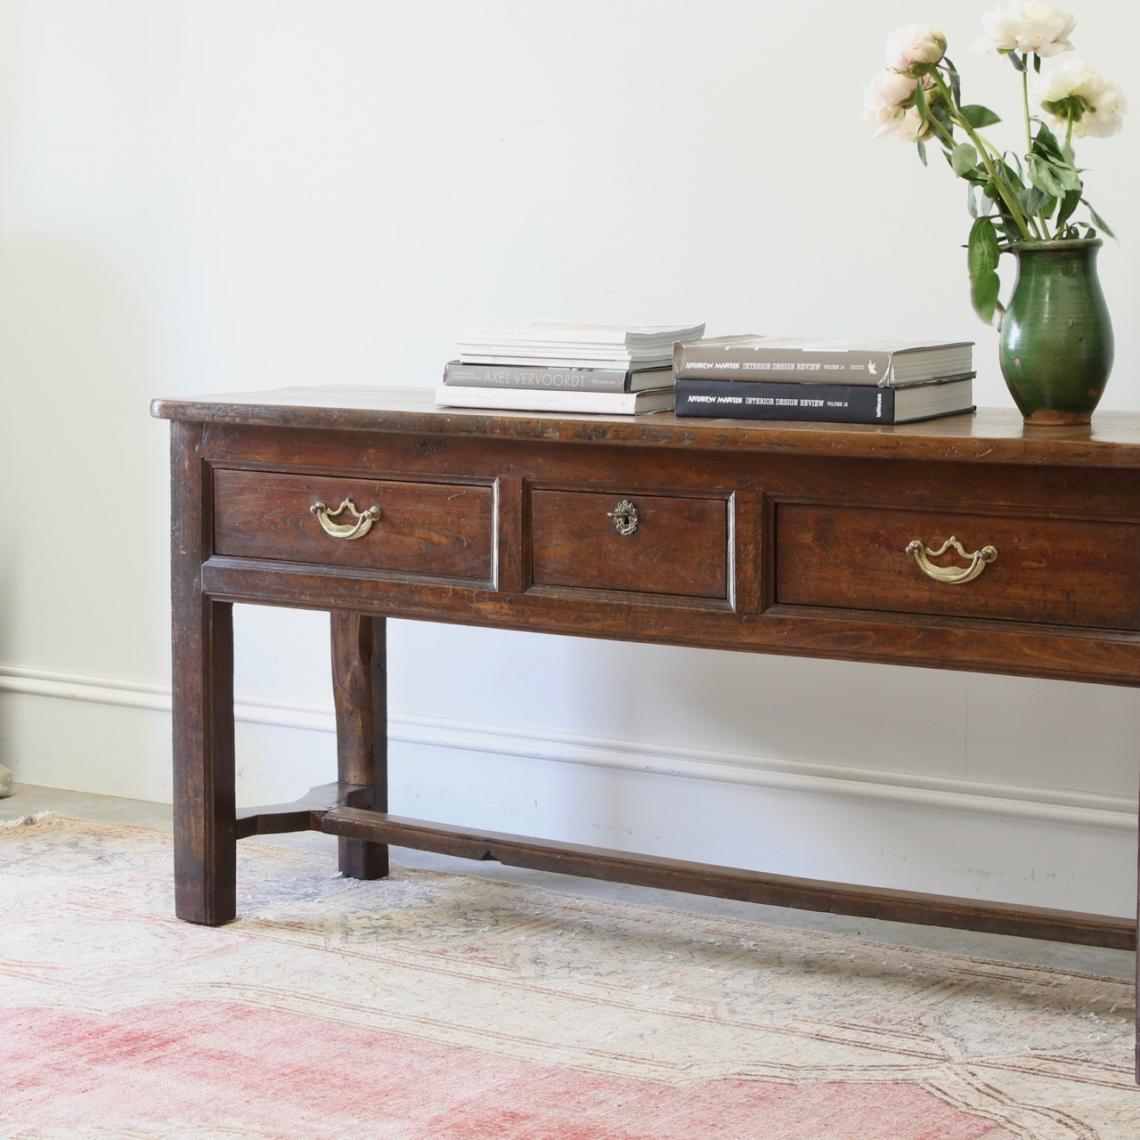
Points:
(1045, 142)
(978, 175)
(955, 81)
(1011, 172)
(984, 294)
(963, 157)
(921, 148)
(982, 247)
(1037, 63)
(1066, 175)
(982, 255)
(1032, 201)
(978, 116)
(1042, 176)
(1098, 219)
(1018, 61)
(1068, 204)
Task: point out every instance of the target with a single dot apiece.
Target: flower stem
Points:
(987, 155)
(1025, 102)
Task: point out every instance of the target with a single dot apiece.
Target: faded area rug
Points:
(449, 1006)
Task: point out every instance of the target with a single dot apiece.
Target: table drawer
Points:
(435, 529)
(1050, 571)
(645, 543)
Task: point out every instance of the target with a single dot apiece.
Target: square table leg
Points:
(360, 695)
(205, 843)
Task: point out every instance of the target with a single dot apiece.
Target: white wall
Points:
(201, 196)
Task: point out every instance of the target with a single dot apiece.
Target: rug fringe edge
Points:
(26, 820)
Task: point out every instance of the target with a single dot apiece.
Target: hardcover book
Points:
(886, 363)
(612, 360)
(570, 333)
(824, 403)
(547, 400)
(556, 379)
(563, 344)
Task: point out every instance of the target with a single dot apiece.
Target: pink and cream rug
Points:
(451, 1007)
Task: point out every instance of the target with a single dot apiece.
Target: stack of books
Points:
(861, 382)
(557, 366)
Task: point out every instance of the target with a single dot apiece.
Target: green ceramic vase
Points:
(1056, 344)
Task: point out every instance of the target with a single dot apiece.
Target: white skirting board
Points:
(1039, 845)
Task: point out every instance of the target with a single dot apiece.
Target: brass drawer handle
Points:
(950, 574)
(357, 529)
(625, 517)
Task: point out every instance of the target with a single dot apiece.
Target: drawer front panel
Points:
(435, 529)
(1045, 570)
(677, 546)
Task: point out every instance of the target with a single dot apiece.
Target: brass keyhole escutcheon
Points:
(625, 517)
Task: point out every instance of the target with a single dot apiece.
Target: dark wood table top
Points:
(990, 435)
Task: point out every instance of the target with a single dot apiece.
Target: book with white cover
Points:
(546, 400)
(523, 359)
(570, 332)
(564, 344)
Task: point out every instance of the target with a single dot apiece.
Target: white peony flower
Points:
(911, 127)
(915, 49)
(890, 88)
(1078, 92)
(1026, 27)
(885, 116)
(888, 102)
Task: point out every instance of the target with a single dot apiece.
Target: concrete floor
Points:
(28, 799)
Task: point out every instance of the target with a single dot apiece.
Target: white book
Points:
(546, 400)
(611, 358)
(567, 333)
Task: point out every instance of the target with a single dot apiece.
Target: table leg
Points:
(360, 695)
(205, 844)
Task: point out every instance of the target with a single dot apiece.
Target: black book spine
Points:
(822, 403)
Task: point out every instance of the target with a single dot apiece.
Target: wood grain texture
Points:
(512, 531)
(438, 529)
(1055, 572)
(680, 545)
(205, 842)
(748, 545)
(929, 641)
(1041, 490)
(360, 698)
(734, 883)
(304, 814)
(990, 436)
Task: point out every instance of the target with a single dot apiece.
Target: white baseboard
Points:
(1061, 805)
